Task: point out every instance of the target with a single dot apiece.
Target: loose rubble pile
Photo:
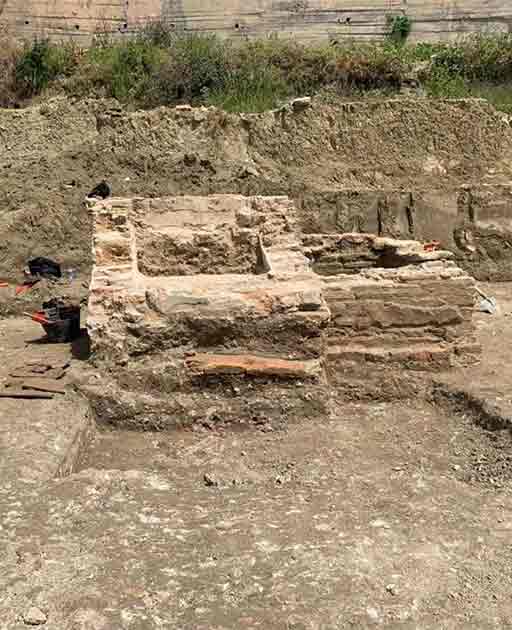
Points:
(215, 308)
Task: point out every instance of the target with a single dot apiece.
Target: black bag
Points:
(101, 191)
(44, 267)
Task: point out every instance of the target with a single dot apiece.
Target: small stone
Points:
(373, 614)
(248, 170)
(209, 480)
(391, 589)
(34, 617)
(189, 159)
(300, 104)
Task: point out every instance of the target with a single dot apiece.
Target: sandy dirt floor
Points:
(394, 515)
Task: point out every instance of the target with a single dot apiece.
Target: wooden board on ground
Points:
(44, 385)
(24, 374)
(39, 369)
(24, 393)
(48, 364)
(53, 373)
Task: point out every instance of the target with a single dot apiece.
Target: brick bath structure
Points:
(219, 309)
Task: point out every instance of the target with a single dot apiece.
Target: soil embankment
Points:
(52, 155)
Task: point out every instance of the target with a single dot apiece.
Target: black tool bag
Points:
(44, 267)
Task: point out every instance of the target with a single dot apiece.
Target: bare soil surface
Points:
(394, 515)
(492, 378)
(37, 437)
(357, 522)
(481, 395)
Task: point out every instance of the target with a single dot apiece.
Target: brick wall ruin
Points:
(472, 221)
(220, 306)
(303, 19)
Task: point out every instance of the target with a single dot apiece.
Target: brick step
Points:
(417, 353)
(203, 364)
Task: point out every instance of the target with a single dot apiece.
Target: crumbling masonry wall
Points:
(218, 307)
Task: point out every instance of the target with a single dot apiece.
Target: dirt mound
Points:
(53, 154)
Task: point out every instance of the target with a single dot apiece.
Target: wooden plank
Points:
(54, 374)
(22, 373)
(40, 369)
(37, 372)
(24, 393)
(49, 363)
(44, 385)
(252, 365)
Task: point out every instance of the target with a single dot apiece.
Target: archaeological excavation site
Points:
(221, 309)
(255, 366)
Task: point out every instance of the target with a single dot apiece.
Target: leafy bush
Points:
(442, 83)
(369, 67)
(304, 68)
(400, 28)
(249, 89)
(478, 58)
(197, 64)
(499, 95)
(40, 63)
(119, 69)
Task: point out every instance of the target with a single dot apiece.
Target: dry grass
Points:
(10, 51)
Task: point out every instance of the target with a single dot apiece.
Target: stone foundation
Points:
(472, 221)
(219, 307)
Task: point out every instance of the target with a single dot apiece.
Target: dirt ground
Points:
(392, 515)
(36, 436)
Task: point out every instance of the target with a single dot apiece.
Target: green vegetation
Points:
(160, 67)
(499, 95)
(400, 28)
(40, 63)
